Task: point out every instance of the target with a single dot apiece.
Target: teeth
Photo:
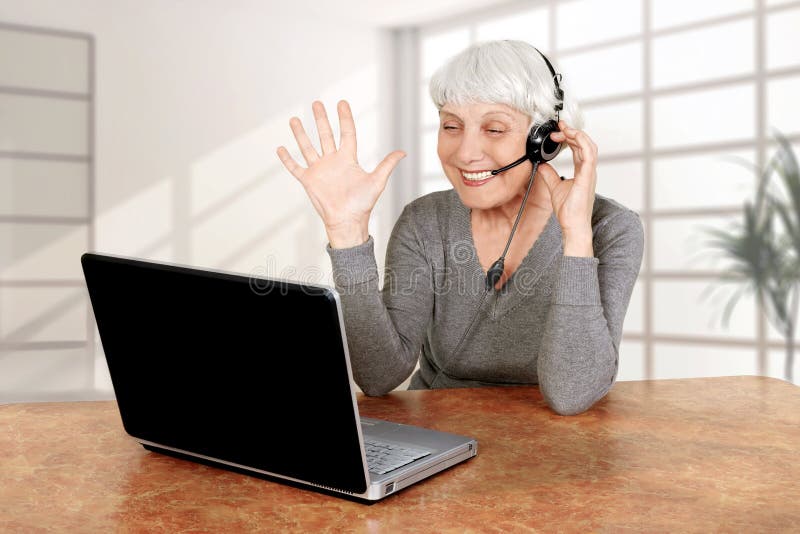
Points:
(476, 175)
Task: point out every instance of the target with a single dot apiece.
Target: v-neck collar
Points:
(524, 280)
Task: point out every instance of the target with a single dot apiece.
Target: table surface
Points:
(707, 454)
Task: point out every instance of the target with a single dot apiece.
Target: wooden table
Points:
(704, 455)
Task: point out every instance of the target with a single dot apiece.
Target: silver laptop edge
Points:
(404, 477)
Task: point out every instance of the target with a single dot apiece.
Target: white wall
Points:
(192, 98)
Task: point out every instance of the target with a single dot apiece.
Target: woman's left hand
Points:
(573, 199)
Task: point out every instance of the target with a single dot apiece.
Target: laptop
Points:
(250, 374)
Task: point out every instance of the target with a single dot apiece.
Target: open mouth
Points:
(476, 178)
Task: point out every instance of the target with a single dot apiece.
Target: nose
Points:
(470, 148)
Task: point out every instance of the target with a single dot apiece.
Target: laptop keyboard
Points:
(383, 457)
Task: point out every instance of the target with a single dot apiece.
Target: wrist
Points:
(578, 244)
(347, 235)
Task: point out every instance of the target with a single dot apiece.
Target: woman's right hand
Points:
(341, 191)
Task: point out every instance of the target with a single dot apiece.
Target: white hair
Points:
(507, 72)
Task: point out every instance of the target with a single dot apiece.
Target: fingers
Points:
(385, 167)
(580, 143)
(307, 149)
(290, 164)
(323, 128)
(347, 128)
(584, 150)
(549, 175)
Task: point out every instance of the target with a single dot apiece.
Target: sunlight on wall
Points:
(245, 212)
(41, 252)
(140, 222)
(43, 314)
(244, 203)
(248, 211)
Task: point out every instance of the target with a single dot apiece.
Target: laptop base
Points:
(256, 474)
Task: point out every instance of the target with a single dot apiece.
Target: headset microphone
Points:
(511, 165)
(538, 147)
(496, 270)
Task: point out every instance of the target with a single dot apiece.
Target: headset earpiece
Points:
(539, 146)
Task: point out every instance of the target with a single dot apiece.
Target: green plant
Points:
(764, 247)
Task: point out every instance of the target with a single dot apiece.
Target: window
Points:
(673, 126)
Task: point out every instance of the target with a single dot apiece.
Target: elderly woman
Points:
(512, 277)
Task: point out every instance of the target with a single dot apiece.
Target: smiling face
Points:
(477, 138)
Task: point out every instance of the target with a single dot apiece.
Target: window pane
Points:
(725, 114)
(42, 251)
(43, 314)
(634, 316)
(631, 361)
(682, 244)
(430, 158)
(776, 363)
(39, 124)
(783, 110)
(436, 49)
(583, 22)
(718, 179)
(772, 147)
(772, 333)
(781, 39)
(55, 188)
(615, 127)
(38, 61)
(429, 115)
(687, 361)
(532, 26)
(622, 181)
(727, 50)
(621, 65)
(666, 13)
(684, 308)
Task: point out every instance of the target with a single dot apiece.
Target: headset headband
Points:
(556, 78)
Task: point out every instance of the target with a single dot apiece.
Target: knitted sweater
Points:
(557, 321)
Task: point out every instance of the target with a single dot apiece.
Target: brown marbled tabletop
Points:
(689, 455)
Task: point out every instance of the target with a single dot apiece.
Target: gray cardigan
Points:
(557, 322)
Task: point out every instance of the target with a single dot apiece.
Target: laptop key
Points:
(384, 457)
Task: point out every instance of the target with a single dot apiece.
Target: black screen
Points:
(202, 361)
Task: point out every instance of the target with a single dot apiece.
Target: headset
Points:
(538, 148)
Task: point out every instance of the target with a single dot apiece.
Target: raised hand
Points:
(341, 191)
(573, 199)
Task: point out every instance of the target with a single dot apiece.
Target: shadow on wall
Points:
(236, 208)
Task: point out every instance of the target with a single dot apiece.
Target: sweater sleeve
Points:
(385, 327)
(580, 347)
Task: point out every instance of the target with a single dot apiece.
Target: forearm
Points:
(384, 328)
(578, 359)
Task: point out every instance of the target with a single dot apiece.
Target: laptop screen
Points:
(203, 362)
